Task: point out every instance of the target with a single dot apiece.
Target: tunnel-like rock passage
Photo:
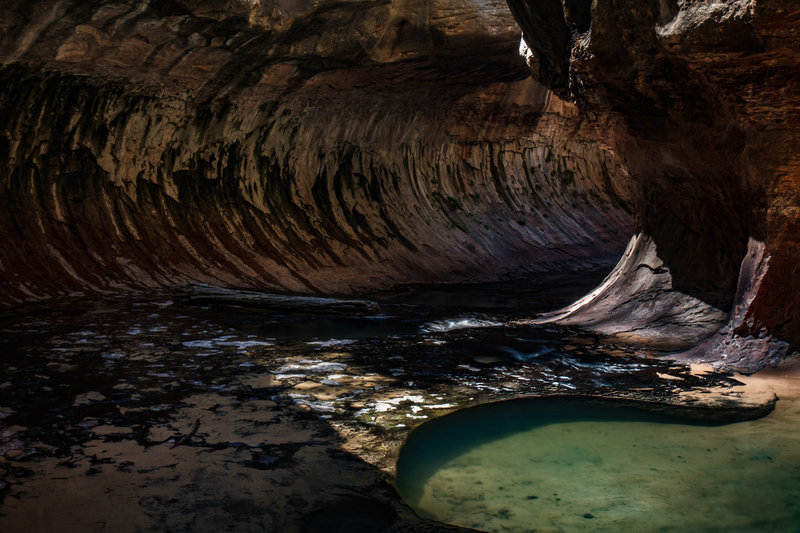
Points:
(318, 147)
(340, 147)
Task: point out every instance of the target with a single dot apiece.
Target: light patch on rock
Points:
(331, 342)
(441, 406)
(312, 366)
(88, 397)
(442, 326)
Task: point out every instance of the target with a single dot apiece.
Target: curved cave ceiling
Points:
(340, 147)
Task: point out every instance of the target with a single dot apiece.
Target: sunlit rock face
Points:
(328, 147)
(705, 104)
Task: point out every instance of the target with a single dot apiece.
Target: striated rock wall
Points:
(339, 147)
(705, 101)
(328, 147)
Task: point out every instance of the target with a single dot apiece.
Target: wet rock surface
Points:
(142, 413)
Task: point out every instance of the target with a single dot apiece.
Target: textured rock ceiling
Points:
(326, 147)
(338, 147)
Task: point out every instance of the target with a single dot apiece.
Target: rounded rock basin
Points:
(592, 465)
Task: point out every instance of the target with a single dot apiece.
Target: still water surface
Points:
(570, 465)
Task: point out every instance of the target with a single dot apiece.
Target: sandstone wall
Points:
(328, 147)
(705, 98)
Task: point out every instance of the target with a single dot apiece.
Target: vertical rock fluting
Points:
(705, 102)
(308, 147)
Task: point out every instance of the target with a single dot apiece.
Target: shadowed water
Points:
(574, 465)
(145, 412)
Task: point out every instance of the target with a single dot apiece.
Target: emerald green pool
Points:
(574, 465)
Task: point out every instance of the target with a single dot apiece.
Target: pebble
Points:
(89, 397)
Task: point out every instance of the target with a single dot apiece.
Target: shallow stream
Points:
(142, 412)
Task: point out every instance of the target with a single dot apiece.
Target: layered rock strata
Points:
(310, 147)
(338, 147)
(705, 101)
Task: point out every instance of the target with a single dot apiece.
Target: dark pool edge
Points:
(716, 411)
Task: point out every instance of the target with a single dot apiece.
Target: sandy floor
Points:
(784, 381)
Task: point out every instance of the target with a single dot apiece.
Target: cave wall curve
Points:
(320, 147)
